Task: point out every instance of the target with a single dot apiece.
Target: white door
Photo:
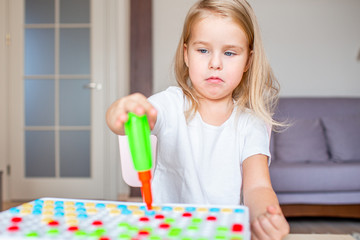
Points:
(56, 99)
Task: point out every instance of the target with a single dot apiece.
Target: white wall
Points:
(312, 45)
(168, 18)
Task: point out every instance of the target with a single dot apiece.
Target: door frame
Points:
(36, 187)
(115, 64)
(4, 106)
(15, 76)
(116, 84)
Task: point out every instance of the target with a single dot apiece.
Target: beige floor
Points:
(324, 225)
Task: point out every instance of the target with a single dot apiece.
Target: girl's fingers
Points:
(254, 237)
(132, 105)
(278, 220)
(138, 104)
(145, 108)
(268, 227)
(148, 107)
(152, 115)
(117, 114)
(121, 119)
(280, 224)
(273, 209)
(257, 230)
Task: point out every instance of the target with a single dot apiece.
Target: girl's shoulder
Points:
(171, 96)
(169, 105)
(245, 114)
(247, 118)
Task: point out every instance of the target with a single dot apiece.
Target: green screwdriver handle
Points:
(138, 131)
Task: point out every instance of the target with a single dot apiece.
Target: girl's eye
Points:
(229, 54)
(203, 51)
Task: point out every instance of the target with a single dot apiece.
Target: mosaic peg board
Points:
(57, 218)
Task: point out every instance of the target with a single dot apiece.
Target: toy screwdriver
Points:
(138, 131)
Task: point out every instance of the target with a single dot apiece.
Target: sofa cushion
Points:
(343, 135)
(310, 108)
(315, 177)
(303, 141)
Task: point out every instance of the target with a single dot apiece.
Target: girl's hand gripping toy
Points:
(138, 131)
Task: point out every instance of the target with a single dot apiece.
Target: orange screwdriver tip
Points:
(149, 207)
(147, 195)
(145, 178)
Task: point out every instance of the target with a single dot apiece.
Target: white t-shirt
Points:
(199, 163)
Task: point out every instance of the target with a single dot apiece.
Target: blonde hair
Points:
(258, 89)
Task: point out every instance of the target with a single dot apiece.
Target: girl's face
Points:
(217, 56)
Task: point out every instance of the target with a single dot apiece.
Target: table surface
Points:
(318, 237)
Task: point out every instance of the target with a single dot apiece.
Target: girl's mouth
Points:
(214, 80)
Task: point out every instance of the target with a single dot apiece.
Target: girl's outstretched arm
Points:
(266, 218)
(117, 113)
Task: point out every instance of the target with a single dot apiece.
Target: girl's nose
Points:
(215, 62)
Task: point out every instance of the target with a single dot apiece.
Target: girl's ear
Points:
(249, 61)
(186, 60)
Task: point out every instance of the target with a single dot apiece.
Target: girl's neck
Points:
(215, 112)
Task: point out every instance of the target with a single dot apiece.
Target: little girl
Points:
(212, 130)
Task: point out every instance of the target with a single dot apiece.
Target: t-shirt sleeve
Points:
(257, 138)
(156, 100)
(169, 105)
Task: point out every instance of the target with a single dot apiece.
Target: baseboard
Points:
(314, 210)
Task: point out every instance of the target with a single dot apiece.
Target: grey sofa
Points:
(316, 161)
